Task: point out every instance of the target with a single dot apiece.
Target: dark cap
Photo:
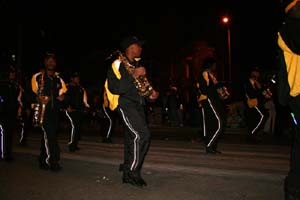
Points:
(75, 74)
(129, 41)
(49, 55)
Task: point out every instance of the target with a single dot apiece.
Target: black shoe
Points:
(43, 166)
(23, 144)
(107, 140)
(218, 152)
(72, 148)
(131, 178)
(77, 148)
(210, 151)
(142, 181)
(55, 167)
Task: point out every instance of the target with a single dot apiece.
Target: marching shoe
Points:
(43, 166)
(130, 178)
(77, 148)
(55, 167)
(210, 151)
(218, 152)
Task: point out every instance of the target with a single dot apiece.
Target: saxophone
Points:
(40, 107)
(141, 83)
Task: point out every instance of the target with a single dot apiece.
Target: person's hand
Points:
(154, 95)
(139, 71)
(257, 84)
(60, 97)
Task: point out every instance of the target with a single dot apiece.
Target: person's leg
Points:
(1, 140)
(213, 125)
(9, 126)
(50, 128)
(138, 144)
(108, 125)
(44, 151)
(77, 117)
(292, 181)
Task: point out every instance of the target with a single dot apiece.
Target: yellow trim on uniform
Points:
(113, 99)
(34, 84)
(251, 102)
(85, 98)
(63, 87)
(205, 76)
(202, 96)
(292, 62)
(105, 99)
(290, 6)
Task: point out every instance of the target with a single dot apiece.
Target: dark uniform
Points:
(25, 114)
(213, 111)
(289, 87)
(77, 103)
(255, 111)
(9, 92)
(125, 98)
(54, 86)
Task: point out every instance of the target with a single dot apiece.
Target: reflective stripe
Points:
(2, 143)
(203, 119)
(110, 121)
(63, 87)
(260, 121)
(22, 132)
(46, 146)
(219, 123)
(85, 98)
(135, 142)
(34, 83)
(72, 130)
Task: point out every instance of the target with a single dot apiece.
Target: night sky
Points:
(83, 34)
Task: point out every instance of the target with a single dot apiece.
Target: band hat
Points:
(129, 41)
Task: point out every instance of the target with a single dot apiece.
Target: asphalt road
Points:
(174, 169)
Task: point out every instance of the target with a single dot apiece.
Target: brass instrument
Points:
(141, 82)
(40, 107)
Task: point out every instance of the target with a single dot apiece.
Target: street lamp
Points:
(226, 22)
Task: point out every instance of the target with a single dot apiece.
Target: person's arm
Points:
(34, 84)
(119, 80)
(203, 85)
(62, 90)
(85, 99)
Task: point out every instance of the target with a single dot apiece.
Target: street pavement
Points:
(176, 167)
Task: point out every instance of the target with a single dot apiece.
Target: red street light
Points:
(225, 20)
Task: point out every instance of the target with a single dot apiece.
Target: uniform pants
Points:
(137, 136)
(50, 151)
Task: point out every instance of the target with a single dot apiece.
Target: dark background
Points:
(82, 34)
